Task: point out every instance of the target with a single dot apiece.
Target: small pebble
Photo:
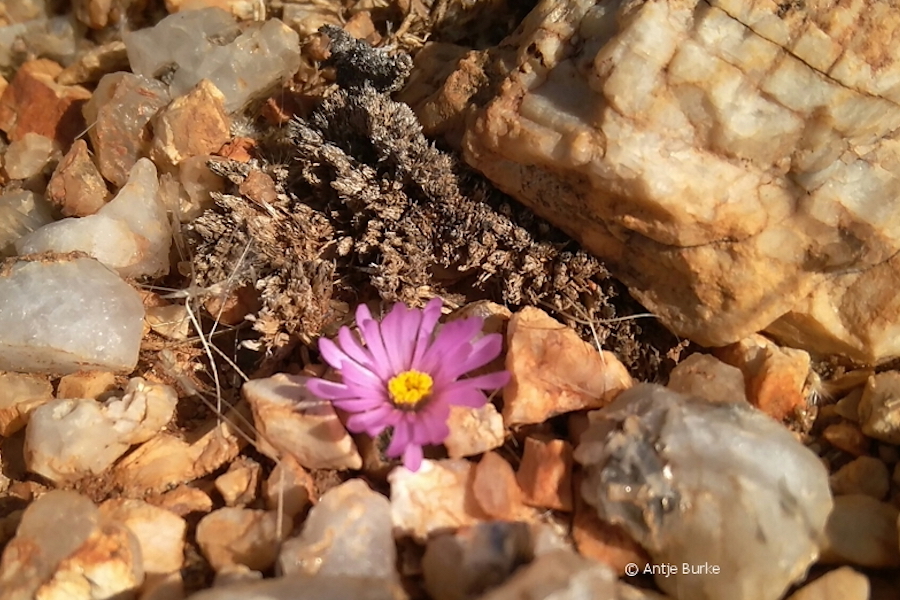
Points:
(848, 437)
(292, 421)
(290, 487)
(863, 475)
(436, 497)
(879, 409)
(707, 377)
(495, 488)
(553, 371)
(239, 484)
(841, 584)
(862, 531)
(545, 474)
(241, 536)
(347, 533)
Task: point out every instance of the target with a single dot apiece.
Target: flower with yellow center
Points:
(409, 388)
(406, 377)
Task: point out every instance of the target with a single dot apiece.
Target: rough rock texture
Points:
(553, 371)
(291, 421)
(131, 233)
(21, 212)
(348, 533)
(64, 548)
(66, 313)
(734, 162)
(77, 187)
(244, 64)
(34, 102)
(707, 484)
(67, 439)
(119, 112)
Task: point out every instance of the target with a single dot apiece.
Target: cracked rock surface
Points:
(734, 162)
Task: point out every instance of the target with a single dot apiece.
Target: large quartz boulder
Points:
(734, 162)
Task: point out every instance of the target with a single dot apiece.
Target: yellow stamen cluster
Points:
(409, 388)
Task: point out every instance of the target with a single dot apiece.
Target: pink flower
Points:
(406, 377)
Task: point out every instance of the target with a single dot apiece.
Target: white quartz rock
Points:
(348, 533)
(735, 163)
(68, 439)
(21, 213)
(131, 233)
(244, 64)
(65, 549)
(708, 485)
(29, 155)
(66, 314)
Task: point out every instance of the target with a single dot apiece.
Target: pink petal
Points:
(401, 437)
(354, 350)
(359, 404)
(371, 333)
(431, 425)
(450, 340)
(398, 330)
(412, 457)
(371, 422)
(430, 315)
(463, 395)
(483, 351)
(331, 353)
(488, 381)
(361, 376)
(329, 390)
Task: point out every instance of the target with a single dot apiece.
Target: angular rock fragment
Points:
(130, 234)
(776, 376)
(307, 587)
(85, 384)
(21, 213)
(474, 431)
(289, 488)
(34, 103)
(879, 408)
(495, 489)
(545, 474)
(709, 485)
(292, 421)
(554, 371)
(707, 377)
(67, 439)
(347, 533)
(244, 64)
(241, 536)
(437, 496)
(864, 475)
(20, 394)
(67, 313)
(92, 65)
(168, 459)
(862, 531)
(64, 548)
(191, 125)
(76, 187)
(159, 532)
(468, 563)
(238, 485)
(564, 575)
(734, 162)
(843, 583)
(28, 156)
(119, 112)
